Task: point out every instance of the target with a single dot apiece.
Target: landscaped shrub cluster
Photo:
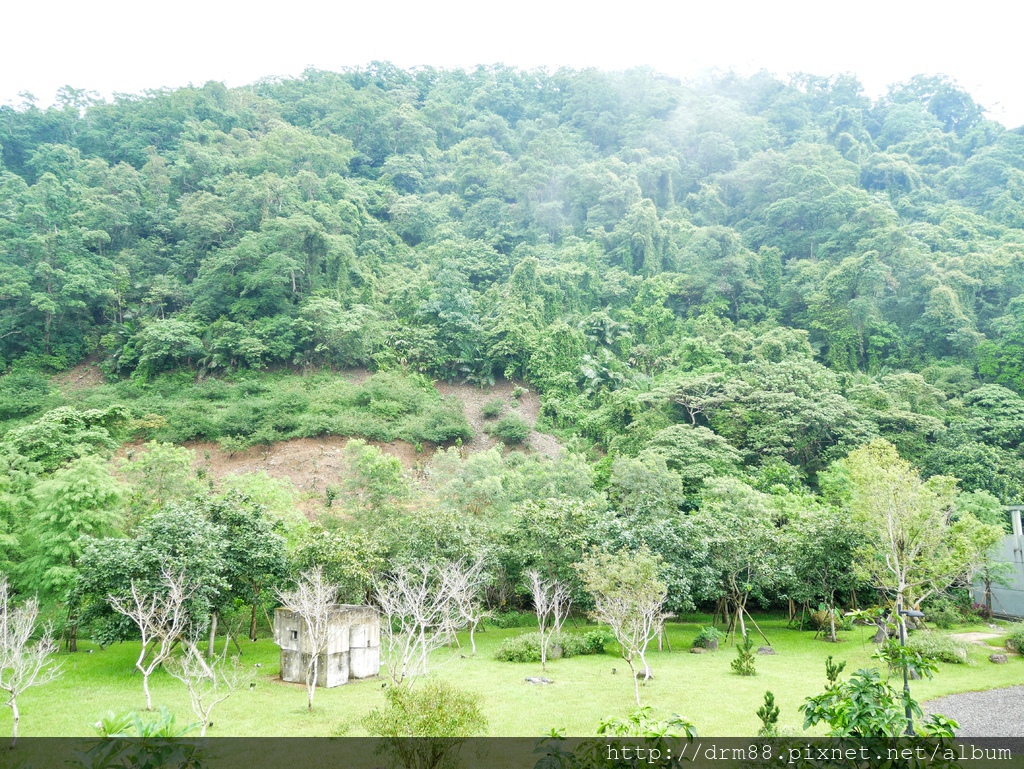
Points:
(945, 614)
(1015, 642)
(938, 647)
(526, 647)
(708, 638)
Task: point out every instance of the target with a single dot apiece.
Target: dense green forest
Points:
(718, 289)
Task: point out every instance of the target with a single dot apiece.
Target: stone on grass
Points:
(538, 680)
(999, 659)
(697, 650)
(765, 650)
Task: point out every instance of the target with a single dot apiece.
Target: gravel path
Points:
(995, 713)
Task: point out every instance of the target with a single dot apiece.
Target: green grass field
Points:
(699, 687)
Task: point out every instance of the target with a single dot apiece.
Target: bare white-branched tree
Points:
(209, 682)
(22, 664)
(464, 582)
(628, 596)
(162, 618)
(551, 602)
(419, 615)
(312, 599)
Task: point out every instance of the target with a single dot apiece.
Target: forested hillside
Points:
(717, 289)
(769, 273)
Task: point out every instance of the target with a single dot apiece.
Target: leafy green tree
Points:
(178, 540)
(255, 556)
(628, 597)
(745, 556)
(825, 542)
(913, 548)
(65, 434)
(159, 475)
(76, 504)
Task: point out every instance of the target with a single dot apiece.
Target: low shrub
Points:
(938, 647)
(526, 647)
(820, 620)
(745, 657)
(523, 648)
(493, 408)
(507, 619)
(944, 614)
(1015, 642)
(511, 430)
(708, 638)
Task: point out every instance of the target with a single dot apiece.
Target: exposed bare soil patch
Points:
(975, 638)
(85, 374)
(526, 406)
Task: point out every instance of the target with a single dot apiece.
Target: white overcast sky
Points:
(115, 46)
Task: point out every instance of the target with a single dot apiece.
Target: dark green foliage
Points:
(179, 539)
(867, 706)
(526, 648)
(833, 670)
(769, 716)
(507, 619)
(511, 430)
(22, 394)
(945, 614)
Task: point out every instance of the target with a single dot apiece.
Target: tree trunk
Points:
(472, 641)
(252, 624)
(636, 683)
(145, 688)
(311, 685)
(73, 636)
(17, 717)
(211, 644)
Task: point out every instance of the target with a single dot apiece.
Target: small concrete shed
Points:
(353, 647)
(1008, 599)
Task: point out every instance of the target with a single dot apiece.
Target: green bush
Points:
(708, 638)
(526, 647)
(1015, 642)
(492, 409)
(938, 647)
(582, 644)
(744, 662)
(441, 423)
(433, 709)
(944, 614)
(511, 430)
(507, 619)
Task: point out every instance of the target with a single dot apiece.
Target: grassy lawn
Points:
(700, 687)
